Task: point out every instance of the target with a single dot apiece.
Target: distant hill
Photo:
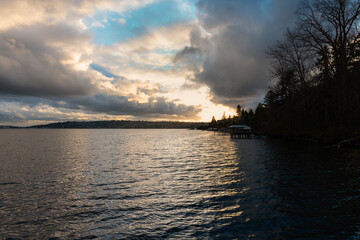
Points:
(123, 124)
(5, 127)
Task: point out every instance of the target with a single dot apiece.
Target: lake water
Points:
(144, 184)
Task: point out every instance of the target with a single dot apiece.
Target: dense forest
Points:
(317, 67)
(122, 124)
(315, 91)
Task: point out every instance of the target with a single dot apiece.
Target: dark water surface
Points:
(144, 184)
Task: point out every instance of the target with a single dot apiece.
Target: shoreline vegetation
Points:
(315, 91)
(261, 125)
(119, 124)
(253, 119)
(317, 70)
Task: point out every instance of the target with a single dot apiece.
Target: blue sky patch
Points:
(102, 70)
(110, 27)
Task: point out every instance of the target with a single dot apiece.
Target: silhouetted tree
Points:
(331, 27)
(238, 110)
(251, 118)
(292, 55)
(260, 119)
(317, 68)
(213, 122)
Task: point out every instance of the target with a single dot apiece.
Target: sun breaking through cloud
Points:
(154, 60)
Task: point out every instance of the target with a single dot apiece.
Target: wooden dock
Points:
(243, 135)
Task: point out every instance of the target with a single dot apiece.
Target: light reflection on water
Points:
(173, 184)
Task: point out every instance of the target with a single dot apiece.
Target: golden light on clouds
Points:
(105, 59)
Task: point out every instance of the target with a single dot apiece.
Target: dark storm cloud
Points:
(120, 105)
(186, 52)
(234, 62)
(30, 62)
(8, 117)
(156, 107)
(12, 118)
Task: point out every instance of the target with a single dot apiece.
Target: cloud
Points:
(238, 33)
(50, 70)
(98, 24)
(26, 113)
(95, 107)
(54, 66)
(20, 13)
(147, 57)
(120, 105)
(42, 61)
(188, 51)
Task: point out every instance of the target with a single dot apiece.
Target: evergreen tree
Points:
(238, 110)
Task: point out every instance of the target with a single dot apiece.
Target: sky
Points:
(177, 60)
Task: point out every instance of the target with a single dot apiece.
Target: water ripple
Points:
(151, 184)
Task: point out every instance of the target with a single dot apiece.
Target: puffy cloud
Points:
(154, 48)
(95, 107)
(53, 68)
(188, 51)
(148, 57)
(98, 24)
(47, 57)
(26, 112)
(235, 67)
(19, 13)
(43, 61)
(47, 73)
(120, 105)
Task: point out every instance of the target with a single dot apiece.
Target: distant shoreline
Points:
(115, 124)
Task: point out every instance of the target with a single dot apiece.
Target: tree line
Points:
(122, 124)
(317, 70)
(254, 119)
(315, 90)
